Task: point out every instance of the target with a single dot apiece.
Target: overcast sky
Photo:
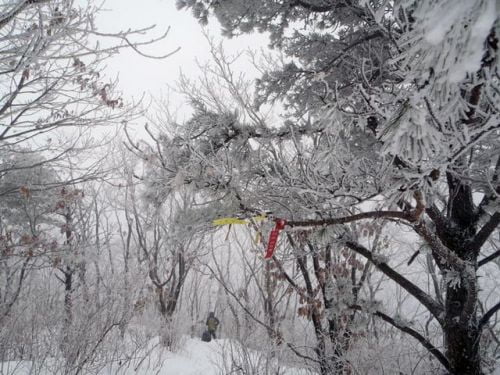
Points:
(138, 74)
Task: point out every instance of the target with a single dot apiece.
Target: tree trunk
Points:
(320, 333)
(461, 329)
(68, 296)
(269, 305)
(461, 337)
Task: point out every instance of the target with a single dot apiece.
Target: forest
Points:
(337, 212)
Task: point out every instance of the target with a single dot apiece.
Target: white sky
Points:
(138, 74)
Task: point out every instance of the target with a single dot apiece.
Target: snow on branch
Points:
(415, 334)
(435, 308)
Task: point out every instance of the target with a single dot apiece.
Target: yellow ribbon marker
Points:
(235, 220)
(228, 221)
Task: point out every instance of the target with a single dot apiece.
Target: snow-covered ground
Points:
(193, 357)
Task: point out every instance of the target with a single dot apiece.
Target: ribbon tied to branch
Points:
(273, 236)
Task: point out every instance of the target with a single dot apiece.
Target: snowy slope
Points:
(194, 357)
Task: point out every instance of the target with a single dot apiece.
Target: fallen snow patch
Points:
(193, 357)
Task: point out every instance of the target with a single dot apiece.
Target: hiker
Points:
(212, 324)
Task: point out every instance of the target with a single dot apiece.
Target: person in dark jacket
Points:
(212, 324)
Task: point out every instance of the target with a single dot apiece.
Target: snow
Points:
(193, 357)
(463, 47)
(448, 16)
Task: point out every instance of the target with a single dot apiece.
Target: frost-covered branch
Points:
(435, 308)
(413, 333)
(408, 216)
(253, 317)
(485, 232)
(16, 9)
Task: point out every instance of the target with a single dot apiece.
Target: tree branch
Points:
(348, 219)
(487, 316)
(312, 7)
(482, 236)
(421, 339)
(488, 198)
(442, 255)
(356, 10)
(488, 259)
(434, 307)
(365, 38)
(442, 227)
(22, 276)
(287, 276)
(18, 9)
(257, 320)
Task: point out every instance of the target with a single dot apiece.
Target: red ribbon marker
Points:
(273, 238)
